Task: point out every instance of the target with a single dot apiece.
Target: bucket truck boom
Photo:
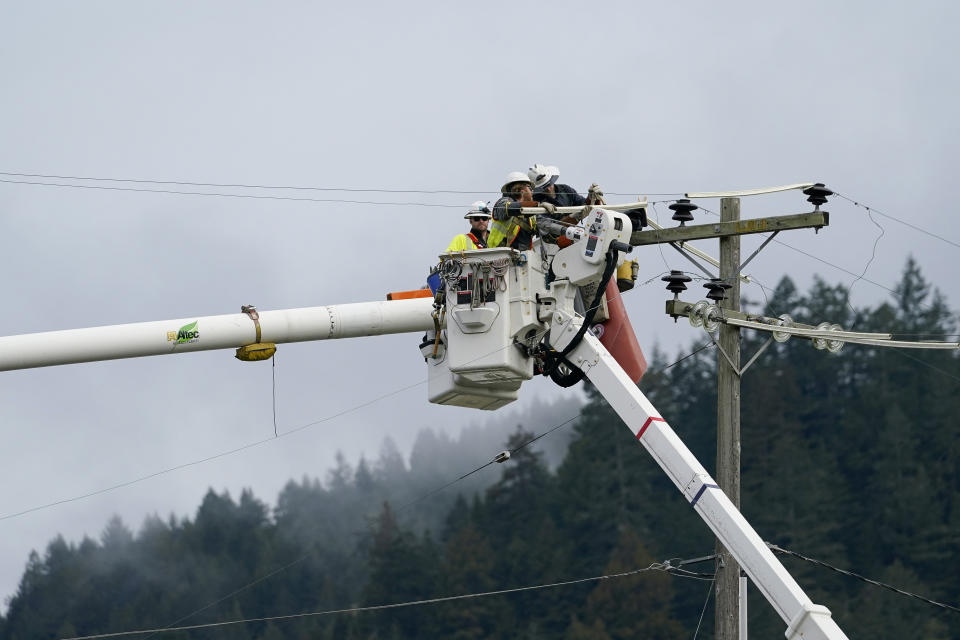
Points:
(498, 318)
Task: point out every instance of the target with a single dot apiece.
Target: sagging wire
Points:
(851, 574)
(234, 195)
(873, 255)
(704, 609)
(668, 564)
(273, 371)
(655, 566)
(895, 219)
(229, 452)
(284, 187)
(656, 212)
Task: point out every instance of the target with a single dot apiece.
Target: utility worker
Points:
(512, 228)
(546, 188)
(476, 238)
(546, 191)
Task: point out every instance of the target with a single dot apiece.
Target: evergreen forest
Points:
(849, 458)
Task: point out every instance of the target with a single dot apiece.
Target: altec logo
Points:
(187, 333)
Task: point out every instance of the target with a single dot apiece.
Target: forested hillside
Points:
(850, 458)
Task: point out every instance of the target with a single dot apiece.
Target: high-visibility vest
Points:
(466, 242)
(503, 232)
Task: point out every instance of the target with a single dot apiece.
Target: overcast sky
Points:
(642, 98)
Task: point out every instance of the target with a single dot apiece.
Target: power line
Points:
(704, 609)
(895, 219)
(667, 565)
(537, 437)
(222, 454)
(234, 195)
(927, 364)
(241, 185)
(283, 187)
(873, 255)
(239, 449)
(235, 592)
(851, 574)
(656, 566)
(818, 259)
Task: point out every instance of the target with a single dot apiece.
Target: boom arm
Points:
(804, 619)
(214, 332)
(500, 304)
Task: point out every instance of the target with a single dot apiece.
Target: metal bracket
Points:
(759, 249)
(690, 258)
(251, 311)
(744, 368)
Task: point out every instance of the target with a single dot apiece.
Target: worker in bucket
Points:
(476, 238)
(511, 227)
(547, 189)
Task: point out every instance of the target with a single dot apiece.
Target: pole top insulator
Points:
(676, 282)
(817, 194)
(717, 289)
(683, 210)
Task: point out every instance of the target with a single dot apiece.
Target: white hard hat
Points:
(542, 176)
(515, 176)
(478, 209)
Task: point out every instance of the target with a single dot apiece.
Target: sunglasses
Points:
(480, 218)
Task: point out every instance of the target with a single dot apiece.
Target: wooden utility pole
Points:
(729, 613)
(727, 610)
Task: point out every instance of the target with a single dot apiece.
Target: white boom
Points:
(503, 315)
(213, 332)
(804, 619)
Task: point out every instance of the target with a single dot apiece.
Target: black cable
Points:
(873, 255)
(424, 497)
(449, 484)
(904, 223)
(653, 567)
(554, 360)
(282, 187)
(239, 185)
(937, 369)
(234, 195)
(851, 574)
(208, 458)
(544, 434)
(704, 609)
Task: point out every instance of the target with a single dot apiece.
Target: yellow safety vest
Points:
(503, 232)
(463, 242)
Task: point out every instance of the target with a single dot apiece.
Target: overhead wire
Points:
(851, 574)
(704, 608)
(282, 187)
(235, 195)
(823, 261)
(199, 461)
(895, 219)
(229, 452)
(463, 477)
(655, 566)
(286, 187)
(873, 255)
(858, 277)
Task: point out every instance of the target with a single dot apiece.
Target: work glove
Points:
(548, 207)
(595, 195)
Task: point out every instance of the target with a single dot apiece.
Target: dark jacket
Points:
(507, 220)
(566, 196)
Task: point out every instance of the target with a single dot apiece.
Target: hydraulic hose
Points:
(555, 359)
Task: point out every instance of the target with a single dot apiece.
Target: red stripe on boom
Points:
(647, 424)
